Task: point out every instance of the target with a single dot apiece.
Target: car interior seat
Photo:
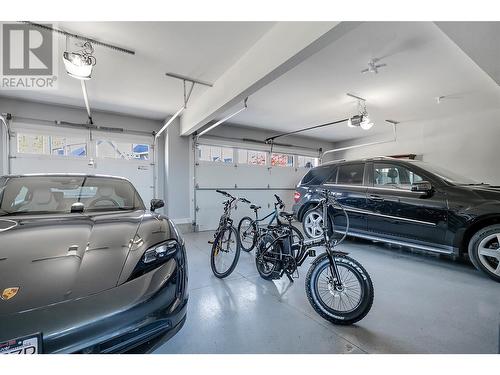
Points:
(393, 174)
(41, 199)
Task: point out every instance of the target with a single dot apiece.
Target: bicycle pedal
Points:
(311, 253)
(211, 242)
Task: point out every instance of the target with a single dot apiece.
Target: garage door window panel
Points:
(216, 154)
(49, 145)
(281, 160)
(307, 162)
(109, 149)
(252, 157)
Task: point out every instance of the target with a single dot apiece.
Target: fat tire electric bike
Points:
(250, 230)
(226, 243)
(338, 287)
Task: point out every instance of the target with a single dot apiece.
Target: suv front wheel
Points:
(484, 251)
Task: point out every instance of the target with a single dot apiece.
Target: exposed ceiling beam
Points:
(285, 46)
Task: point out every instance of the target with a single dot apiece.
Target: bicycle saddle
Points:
(254, 207)
(286, 215)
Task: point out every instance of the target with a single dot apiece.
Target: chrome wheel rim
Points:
(489, 253)
(313, 224)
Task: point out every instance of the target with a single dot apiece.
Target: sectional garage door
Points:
(51, 149)
(245, 172)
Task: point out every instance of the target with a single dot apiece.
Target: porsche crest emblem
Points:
(9, 293)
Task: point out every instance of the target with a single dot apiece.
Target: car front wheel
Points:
(484, 251)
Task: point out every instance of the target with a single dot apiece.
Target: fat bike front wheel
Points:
(344, 305)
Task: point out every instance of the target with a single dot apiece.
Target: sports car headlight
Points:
(159, 252)
(155, 257)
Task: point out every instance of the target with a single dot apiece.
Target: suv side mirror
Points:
(422, 187)
(156, 204)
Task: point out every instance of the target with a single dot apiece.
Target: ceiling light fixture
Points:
(361, 120)
(373, 67)
(366, 123)
(79, 64)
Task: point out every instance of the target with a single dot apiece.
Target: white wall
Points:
(177, 173)
(466, 144)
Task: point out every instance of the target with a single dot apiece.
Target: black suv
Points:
(409, 203)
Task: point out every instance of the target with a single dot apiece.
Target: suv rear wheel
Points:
(312, 223)
(484, 251)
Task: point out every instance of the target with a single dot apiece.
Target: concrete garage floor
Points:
(423, 304)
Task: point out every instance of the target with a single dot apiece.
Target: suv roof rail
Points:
(333, 161)
(383, 157)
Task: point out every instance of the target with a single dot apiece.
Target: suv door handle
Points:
(374, 197)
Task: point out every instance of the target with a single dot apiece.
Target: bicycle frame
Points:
(305, 245)
(273, 215)
(225, 219)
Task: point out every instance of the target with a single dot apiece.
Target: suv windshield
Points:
(56, 194)
(445, 174)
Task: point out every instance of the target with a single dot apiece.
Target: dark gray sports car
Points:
(85, 267)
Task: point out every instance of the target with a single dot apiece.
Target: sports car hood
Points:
(57, 258)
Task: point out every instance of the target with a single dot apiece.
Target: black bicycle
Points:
(337, 286)
(226, 244)
(250, 230)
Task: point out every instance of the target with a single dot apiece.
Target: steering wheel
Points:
(103, 199)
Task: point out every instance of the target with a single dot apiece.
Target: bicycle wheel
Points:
(225, 252)
(268, 257)
(346, 305)
(247, 231)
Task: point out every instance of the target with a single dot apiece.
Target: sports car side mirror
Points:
(422, 187)
(156, 204)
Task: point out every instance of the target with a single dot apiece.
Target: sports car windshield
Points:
(56, 194)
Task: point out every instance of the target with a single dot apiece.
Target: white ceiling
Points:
(137, 84)
(422, 64)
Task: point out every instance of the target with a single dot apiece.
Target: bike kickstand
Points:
(289, 277)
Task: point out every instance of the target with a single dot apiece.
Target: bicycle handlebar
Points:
(233, 198)
(280, 202)
(226, 194)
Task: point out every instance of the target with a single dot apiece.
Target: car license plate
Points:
(23, 345)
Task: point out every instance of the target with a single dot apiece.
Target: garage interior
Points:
(189, 112)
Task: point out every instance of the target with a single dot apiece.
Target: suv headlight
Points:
(159, 252)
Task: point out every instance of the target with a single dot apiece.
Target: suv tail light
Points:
(296, 197)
